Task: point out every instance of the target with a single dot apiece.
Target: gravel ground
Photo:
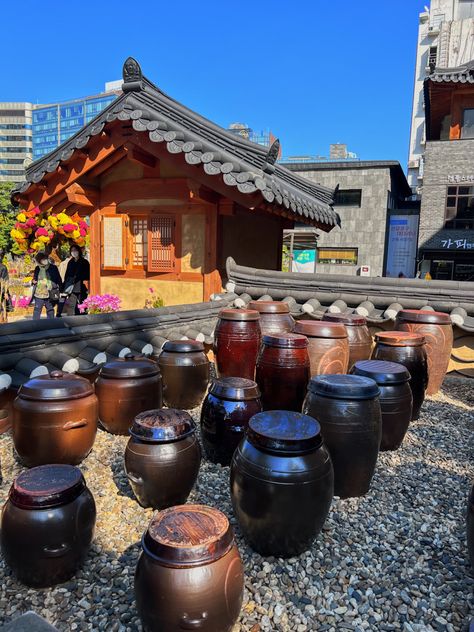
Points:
(393, 560)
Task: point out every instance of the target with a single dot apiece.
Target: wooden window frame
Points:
(123, 219)
(131, 218)
(174, 251)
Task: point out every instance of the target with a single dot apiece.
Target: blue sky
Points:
(312, 71)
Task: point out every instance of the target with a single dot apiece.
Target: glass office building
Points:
(53, 124)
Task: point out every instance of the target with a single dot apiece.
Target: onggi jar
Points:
(275, 317)
(237, 342)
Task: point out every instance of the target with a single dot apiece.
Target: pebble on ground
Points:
(393, 560)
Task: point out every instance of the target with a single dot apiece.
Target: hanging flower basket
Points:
(38, 230)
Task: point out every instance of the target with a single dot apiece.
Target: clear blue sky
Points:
(312, 71)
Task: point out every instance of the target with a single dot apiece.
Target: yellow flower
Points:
(43, 222)
(76, 234)
(63, 218)
(21, 217)
(44, 239)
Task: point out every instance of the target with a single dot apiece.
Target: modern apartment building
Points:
(55, 123)
(445, 40)
(16, 144)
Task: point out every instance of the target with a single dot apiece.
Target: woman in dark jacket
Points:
(76, 280)
(47, 285)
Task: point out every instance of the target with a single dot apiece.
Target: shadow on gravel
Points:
(120, 478)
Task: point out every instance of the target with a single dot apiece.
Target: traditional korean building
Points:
(446, 238)
(170, 196)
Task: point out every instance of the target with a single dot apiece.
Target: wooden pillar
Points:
(95, 252)
(212, 279)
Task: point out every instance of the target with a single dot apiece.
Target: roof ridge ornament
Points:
(271, 157)
(132, 76)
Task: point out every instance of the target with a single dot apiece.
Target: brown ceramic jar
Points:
(125, 388)
(395, 398)
(54, 419)
(358, 334)
(328, 346)
(283, 371)
(237, 342)
(437, 329)
(275, 317)
(162, 457)
(189, 575)
(348, 410)
(47, 524)
(225, 414)
(185, 372)
(407, 349)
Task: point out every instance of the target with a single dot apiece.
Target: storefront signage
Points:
(457, 244)
(458, 178)
(303, 260)
(401, 252)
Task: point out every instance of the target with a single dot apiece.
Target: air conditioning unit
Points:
(413, 164)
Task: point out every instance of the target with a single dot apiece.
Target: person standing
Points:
(47, 285)
(76, 280)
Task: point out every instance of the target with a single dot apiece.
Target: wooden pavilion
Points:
(170, 195)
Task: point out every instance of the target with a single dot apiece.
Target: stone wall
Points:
(442, 159)
(362, 228)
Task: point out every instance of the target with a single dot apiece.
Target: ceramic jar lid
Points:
(284, 432)
(183, 346)
(130, 367)
(381, 371)
(56, 386)
(346, 319)
(188, 535)
(239, 314)
(47, 486)
(269, 307)
(320, 329)
(425, 316)
(344, 386)
(289, 340)
(236, 388)
(162, 425)
(400, 338)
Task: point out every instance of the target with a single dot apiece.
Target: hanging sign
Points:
(303, 260)
(402, 238)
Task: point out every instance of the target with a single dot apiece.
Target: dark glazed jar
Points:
(437, 329)
(275, 317)
(162, 457)
(407, 349)
(125, 388)
(470, 527)
(185, 372)
(237, 342)
(54, 419)
(189, 575)
(358, 334)
(395, 398)
(348, 409)
(225, 414)
(328, 346)
(283, 371)
(281, 483)
(47, 524)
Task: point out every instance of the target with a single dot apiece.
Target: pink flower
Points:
(151, 290)
(41, 232)
(69, 228)
(31, 222)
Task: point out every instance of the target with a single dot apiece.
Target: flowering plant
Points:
(154, 300)
(36, 229)
(100, 304)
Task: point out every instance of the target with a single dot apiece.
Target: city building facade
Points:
(446, 241)
(445, 40)
(379, 228)
(55, 123)
(16, 142)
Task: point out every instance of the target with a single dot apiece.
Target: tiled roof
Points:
(461, 74)
(248, 167)
(379, 299)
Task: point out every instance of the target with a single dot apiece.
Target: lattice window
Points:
(139, 230)
(161, 243)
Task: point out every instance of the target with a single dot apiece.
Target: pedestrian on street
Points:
(76, 281)
(47, 285)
